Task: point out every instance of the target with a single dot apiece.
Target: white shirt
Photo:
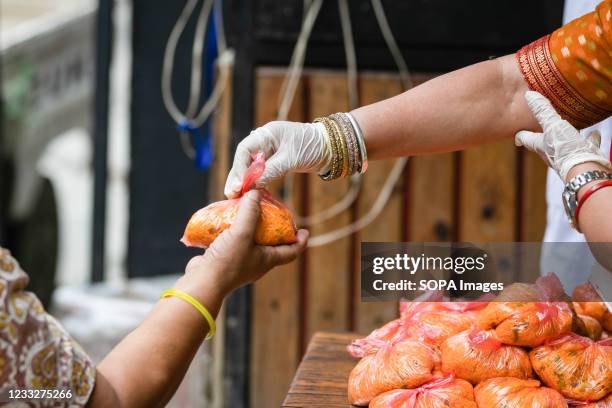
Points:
(572, 264)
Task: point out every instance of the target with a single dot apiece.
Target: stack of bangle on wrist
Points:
(347, 146)
(571, 200)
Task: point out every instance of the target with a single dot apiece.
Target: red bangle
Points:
(592, 190)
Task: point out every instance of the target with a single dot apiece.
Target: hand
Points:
(233, 259)
(561, 145)
(288, 146)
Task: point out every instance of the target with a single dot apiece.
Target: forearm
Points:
(145, 369)
(478, 104)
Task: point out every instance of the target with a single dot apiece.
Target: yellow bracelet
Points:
(195, 303)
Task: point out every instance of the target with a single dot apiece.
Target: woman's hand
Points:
(233, 259)
(561, 145)
(288, 146)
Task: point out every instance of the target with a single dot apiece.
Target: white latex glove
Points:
(561, 146)
(288, 146)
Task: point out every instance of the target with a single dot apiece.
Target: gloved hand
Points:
(561, 146)
(288, 146)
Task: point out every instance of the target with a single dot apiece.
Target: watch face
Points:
(569, 203)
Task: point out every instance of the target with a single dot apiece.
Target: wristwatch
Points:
(570, 193)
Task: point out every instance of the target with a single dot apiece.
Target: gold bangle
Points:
(197, 305)
(334, 146)
(351, 142)
(344, 154)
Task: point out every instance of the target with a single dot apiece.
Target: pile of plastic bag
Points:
(531, 346)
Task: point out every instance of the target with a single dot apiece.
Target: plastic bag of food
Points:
(439, 393)
(576, 366)
(592, 327)
(403, 364)
(508, 392)
(527, 315)
(476, 355)
(275, 227)
(429, 322)
(588, 302)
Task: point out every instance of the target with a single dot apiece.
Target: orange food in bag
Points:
(275, 227)
(476, 355)
(588, 302)
(592, 327)
(576, 366)
(439, 393)
(429, 322)
(404, 364)
(527, 315)
(510, 392)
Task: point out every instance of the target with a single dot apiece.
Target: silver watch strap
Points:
(582, 179)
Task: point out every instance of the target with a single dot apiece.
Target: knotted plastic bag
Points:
(440, 393)
(275, 227)
(576, 366)
(510, 392)
(476, 355)
(527, 315)
(391, 365)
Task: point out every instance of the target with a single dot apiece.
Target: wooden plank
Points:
(275, 333)
(488, 196)
(533, 199)
(388, 225)
(322, 378)
(329, 267)
(431, 198)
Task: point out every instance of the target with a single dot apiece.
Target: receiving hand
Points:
(561, 146)
(233, 259)
(288, 146)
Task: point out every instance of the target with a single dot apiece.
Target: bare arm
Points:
(146, 368)
(478, 104)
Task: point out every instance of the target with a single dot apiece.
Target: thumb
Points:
(247, 218)
(595, 138)
(531, 140)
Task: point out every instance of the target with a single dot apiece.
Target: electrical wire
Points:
(398, 167)
(296, 64)
(225, 61)
(385, 29)
(288, 92)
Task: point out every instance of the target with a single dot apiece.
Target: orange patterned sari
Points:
(573, 67)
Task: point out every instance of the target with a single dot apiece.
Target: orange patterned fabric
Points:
(573, 67)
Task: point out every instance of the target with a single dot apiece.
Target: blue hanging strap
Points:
(202, 145)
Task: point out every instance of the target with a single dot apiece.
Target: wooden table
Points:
(321, 378)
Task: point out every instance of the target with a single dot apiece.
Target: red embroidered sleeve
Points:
(573, 67)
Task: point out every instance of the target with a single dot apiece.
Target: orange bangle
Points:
(592, 190)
